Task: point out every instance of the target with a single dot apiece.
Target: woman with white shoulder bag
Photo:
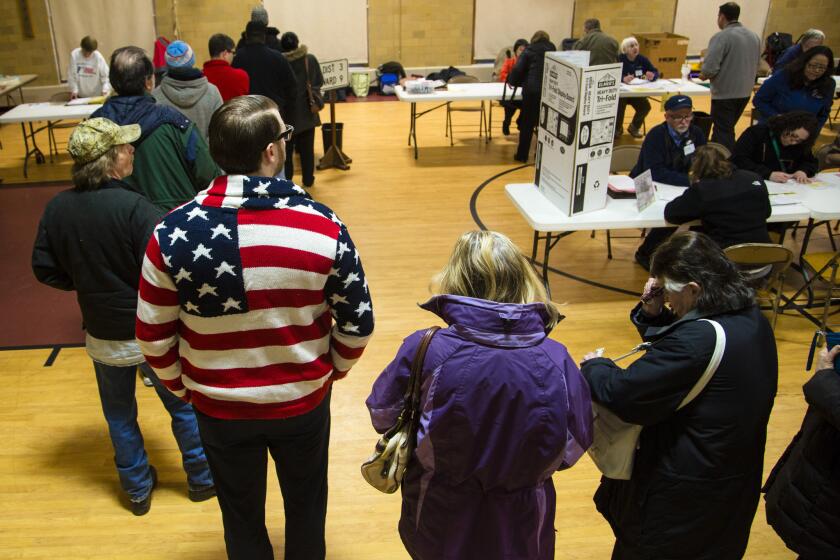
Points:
(687, 486)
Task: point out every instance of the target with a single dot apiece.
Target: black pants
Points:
(642, 108)
(510, 110)
(725, 114)
(528, 120)
(236, 451)
(304, 143)
(653, 239)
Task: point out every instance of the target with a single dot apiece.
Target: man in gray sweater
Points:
(730, 64)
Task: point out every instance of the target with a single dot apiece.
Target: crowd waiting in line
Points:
(245, 300)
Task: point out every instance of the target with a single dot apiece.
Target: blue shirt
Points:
(640, 64)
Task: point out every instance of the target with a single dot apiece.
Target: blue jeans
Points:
(116, 391)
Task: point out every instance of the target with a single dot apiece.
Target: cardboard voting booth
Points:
(576, 131)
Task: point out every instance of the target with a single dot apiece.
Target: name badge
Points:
(638, 72)
(688, 149)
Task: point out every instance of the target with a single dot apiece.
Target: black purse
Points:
(384, 469)
(316, 100)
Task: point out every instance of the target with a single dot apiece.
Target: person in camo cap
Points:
(91, 240)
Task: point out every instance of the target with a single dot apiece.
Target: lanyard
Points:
(778, 154)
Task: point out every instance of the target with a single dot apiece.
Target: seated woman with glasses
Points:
(780, 149)
(806, 84)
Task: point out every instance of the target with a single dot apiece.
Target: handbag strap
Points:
(411, 400)
(717, 355)
(309, 93)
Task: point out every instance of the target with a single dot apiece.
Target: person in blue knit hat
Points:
(186, 89)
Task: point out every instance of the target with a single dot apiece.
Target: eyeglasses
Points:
(792, 137)
(684, 118)
(286, 133)
(817, 67)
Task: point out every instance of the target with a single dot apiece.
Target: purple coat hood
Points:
(504, 407)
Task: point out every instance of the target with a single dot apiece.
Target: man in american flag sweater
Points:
(252, 302)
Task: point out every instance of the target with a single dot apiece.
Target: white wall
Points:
(697, 20)
(499, 23)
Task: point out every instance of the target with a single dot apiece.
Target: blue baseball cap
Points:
(678, 102)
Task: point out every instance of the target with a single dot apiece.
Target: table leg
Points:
(545, 256)
(414, 128)
(534, 247)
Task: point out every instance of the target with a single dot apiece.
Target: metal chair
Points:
(482, 123)
(624, 158)
(764, 266)
(822, 269)
(821, 154)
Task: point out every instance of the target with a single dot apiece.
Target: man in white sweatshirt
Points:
(88, 72)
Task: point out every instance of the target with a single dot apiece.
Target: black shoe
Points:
(506, 128)
(521, 160)
(643, 260)
(202, 494)
(142, 507)
(635, 132)
(309, 183)
(619, 132)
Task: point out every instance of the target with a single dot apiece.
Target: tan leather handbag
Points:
(384, 469)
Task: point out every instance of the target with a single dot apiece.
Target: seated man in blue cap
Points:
(667, 151)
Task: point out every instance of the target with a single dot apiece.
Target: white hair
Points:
(673, 285)
(811, 34)
(625, 44)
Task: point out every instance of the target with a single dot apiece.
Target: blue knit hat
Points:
(179, 55)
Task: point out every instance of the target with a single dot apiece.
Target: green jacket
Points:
(602, 48)
(163, 170)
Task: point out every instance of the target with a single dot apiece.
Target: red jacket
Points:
(232, 82)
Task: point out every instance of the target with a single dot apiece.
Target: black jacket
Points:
(754, 151)
(733, 210)
(665, 159)
(93, 242)
(803, 490)
(271, 75)
(697, 475)
(302, 117)
(528, 71)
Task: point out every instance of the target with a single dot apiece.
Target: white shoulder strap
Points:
(717, 355)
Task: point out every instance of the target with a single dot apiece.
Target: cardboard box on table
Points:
(666, 51)
(576, 131)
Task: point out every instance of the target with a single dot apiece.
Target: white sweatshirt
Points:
(88, 77)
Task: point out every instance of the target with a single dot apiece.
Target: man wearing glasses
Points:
(253, 302)
(667, 151)
(232, 82)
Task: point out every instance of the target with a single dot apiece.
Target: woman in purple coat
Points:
(503, 408)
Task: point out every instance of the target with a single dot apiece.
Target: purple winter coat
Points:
(503, 407)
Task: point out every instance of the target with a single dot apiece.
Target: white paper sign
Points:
(336, 74)
(645, 191)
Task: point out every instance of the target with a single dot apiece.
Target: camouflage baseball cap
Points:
(94, 137)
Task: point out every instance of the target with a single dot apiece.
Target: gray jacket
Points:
(196, 98)
(732, 61)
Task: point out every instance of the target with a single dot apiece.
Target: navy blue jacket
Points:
(641, 63)
(667, 161)
(775, 96)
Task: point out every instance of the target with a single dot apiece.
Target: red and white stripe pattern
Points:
(238, 294)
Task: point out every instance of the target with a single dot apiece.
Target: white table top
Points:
(620, 213)
(822, 198)
(493, 90)
(31, 112)
(664, 87)
(9, 84)
(460, 92)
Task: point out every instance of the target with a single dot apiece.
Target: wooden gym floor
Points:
(59, 495)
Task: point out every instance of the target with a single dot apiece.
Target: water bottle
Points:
(685, 70)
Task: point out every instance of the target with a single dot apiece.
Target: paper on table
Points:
(86, 101)
(621, 183)
(638, 81)
(784, 199)
(668, 192)
(778, 188)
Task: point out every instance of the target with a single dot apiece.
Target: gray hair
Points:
(625, 44)
(91, 175)
(811, 34)
(260, 14)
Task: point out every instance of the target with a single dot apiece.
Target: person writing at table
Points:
(634, 67)
(732, 204)
(668, 151)
(780, 149)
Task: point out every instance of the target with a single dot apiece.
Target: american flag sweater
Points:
(252, 300)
